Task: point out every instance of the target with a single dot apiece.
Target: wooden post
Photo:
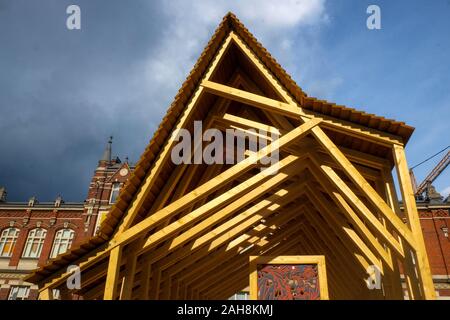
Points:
(396, 291)
(410, 208)
(46, 294)
(412, 282)
(145, 280)
(154, 283)
(112, 276)
(130, 270)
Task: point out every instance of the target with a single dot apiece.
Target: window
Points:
(100, 218)
(35, 242)
(240, 296)
(114, 192)
(19, 293)
(56, 294)
(8, 241)
(63, 241)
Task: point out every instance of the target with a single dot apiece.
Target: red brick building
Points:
(435, 220)
(33, 232)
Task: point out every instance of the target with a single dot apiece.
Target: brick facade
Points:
(83, 218)
(435, 221)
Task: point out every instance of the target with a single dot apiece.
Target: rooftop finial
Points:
(107, 153)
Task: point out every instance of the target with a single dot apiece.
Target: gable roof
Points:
(150, 154)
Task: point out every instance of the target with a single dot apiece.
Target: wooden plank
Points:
(293, 111)
(409, 204)
(394, 289)
(412, 282)
(235, 237)
(246, 191)
(113, 274)
(259, 212)
(220, 215)
(340, 252)
(155, 282)
(252, 99)
(130, 270)
(231, 250)
(330, 122)
(46, 294)
(145, 280)
(141, 195)
(363, 185)
(214, 278)
(213, 184)
(327, 212)
(194, 195)
(346, 281)
(368, 215)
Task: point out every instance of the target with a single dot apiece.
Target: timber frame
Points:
(187, 231)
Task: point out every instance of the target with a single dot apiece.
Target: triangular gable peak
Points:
(121, 174)
(236, 66)
(175, 225)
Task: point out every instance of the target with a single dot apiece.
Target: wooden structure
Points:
(316, 279)
(187, 231)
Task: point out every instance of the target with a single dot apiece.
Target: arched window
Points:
(35, 242)
(8, 240)
(114, 192)
(63, 241)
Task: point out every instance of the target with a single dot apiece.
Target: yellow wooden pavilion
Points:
(187, 231)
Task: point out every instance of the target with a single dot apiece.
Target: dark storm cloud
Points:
(62, 93)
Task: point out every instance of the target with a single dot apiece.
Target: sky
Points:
(64, 92)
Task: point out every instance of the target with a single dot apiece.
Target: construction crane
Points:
(425, 185)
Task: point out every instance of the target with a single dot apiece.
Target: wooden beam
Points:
(315, 240)
(145, 280)
(155, 281)
(333, 123)
(412, 282)
(229, 269)
(264, 207)
(243, 190)
(213, 184)
(323, 207)
(351, 215)
(236, 235)
(342, 253)
(362, 184)
(227, 264)
(186, 200)
(113, 274)
(141, 195)
(130, 270)
(233, 248)
(393, 284)
(46, 294)
(293, 111)
(252, 99)
(409, 204)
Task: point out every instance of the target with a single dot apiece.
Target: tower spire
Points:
(107, 153)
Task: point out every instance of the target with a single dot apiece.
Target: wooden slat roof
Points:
(229, 23)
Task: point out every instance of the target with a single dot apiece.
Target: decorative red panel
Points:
(288, 282)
